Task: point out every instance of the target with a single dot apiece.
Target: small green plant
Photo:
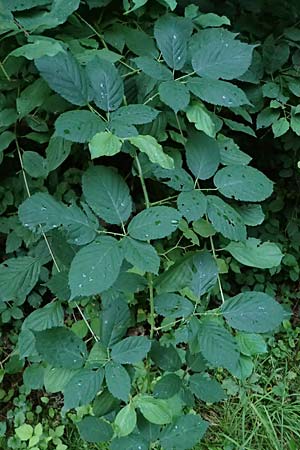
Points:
(126, 201)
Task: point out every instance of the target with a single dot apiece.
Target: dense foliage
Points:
(138, 142)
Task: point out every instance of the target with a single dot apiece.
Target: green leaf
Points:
(19, 5)
(117, 380)
(95, 267)
(167, 386)
(239, 127)
(211, 20)
(132, 442)
(172, 306)
(92, 429)
(153, 68)
(243, 183)
(202, 155)
(255, 253)
(219, 55)
(184, 433)
(217, 92)
(56, 378)
(153, 409)
(107, 85)
(64, 76)
(251, 214)
(38, 47)
(154, 151)
(280, 127)
(141, 255)
(104, 144)
(206, 389)
(61, 348)
(174, 94)
(251, 344)
(217, 345)
(107, 194)
(192, 204)
(230, 152)
(57, 152)
(177, 277)
(82, 388)
(32, 97)
(254, 312)
(49, 316)
(104, 403)
(6, 139)
(135, 114)
(171, 34)
(202, 118)
(266, 118)
(114, 320)
(24, 432)
(155, 222)
(78, 126)
(139, 42)
(18, 276)
(125, 420)
(166, 358)
(35, 165)
(130, 350)
(205, 273)
(42, 209)
(33, 376)
(225, 219)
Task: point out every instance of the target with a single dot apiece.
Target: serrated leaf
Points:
(254, 312)
(255, 253)
(192, 204)
(61, 348)
(211, 20)
(217, 345)
(139, 42)
(225, 219)
(243, 183)
(130, 350)
(115, 319)
(50, 316)
(125, 420)
(168, 386)
(153, 68)
(252, 214)
(78, 126)
(184, 433)
(35, 165)
(149, 145)
(239, 127)
(131, 442)
(202, 155)
(153, 409)
(117, 380)
(32, 97)
(220, 55)
(166, 358)
(135, 114)
(107, 194)
(280, 127)
(107, 84)
(177, 277)
(172, 306)
(92, 429)
(20, 5)
(217, 92)
(230, 153)
(155, 222)
(251, 344)
(205, 273)
(104, 403)
(82, 388)
(202, 118)
(206, 389)
(104, 144)
(38, 47)
(57, 152)
(64, 76)
(18, 276)
(171, 34)
(95, 267)
(141, 255)
(56, 378)
(174, 94)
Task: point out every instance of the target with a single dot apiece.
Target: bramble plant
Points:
(125, 198)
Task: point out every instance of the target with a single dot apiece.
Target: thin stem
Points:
(164, 200)
(4, 71)
(151, 98)
(185, 76)
(179, 126)
(112, 233)
(219, 279)
(92, 29)
(93, 110)
(149, 275)
(46, 239)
